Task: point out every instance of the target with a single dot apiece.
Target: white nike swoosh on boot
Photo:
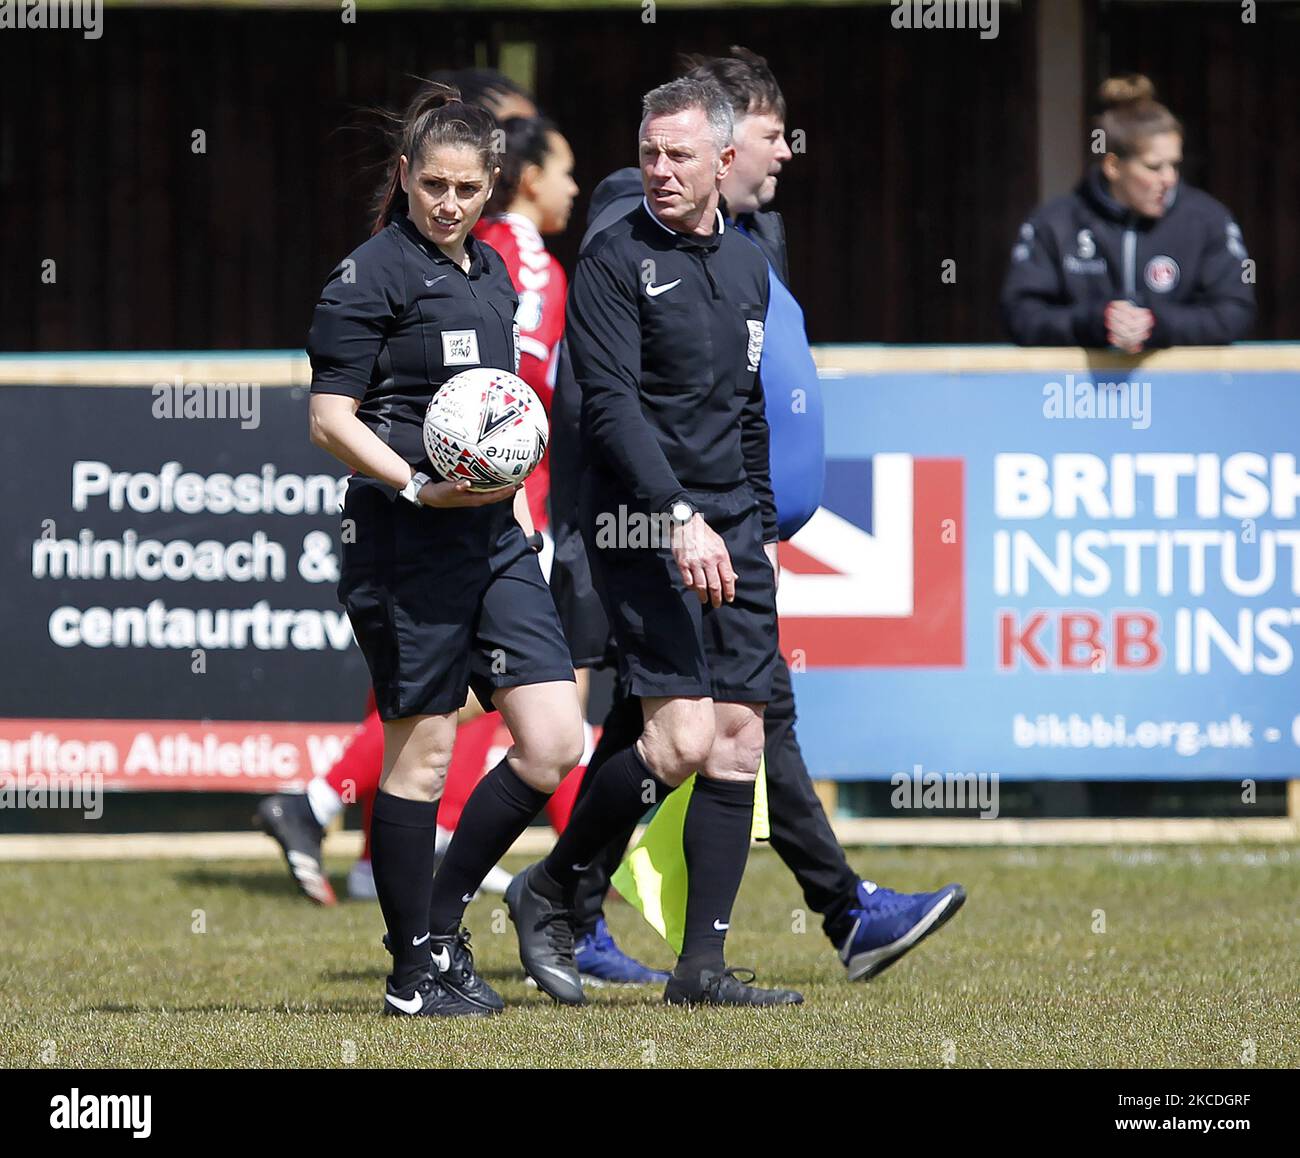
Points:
(406, 1004)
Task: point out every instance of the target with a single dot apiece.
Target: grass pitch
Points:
(1074, 957)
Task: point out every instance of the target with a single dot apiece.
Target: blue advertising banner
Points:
(1052, 570)
(1037, 563)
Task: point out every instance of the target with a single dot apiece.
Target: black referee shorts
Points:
(586, 626)
(442, 600)
(669, 643)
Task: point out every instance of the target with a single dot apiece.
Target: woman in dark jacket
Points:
(1132, 258)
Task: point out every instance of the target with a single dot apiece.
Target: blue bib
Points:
(794, 410)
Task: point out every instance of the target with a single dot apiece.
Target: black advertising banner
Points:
(170, 553)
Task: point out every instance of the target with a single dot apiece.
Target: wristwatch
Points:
(411, 492)
(681, 511)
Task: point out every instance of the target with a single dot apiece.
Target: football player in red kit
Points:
(532, 198)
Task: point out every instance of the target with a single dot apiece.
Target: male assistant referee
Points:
(871, 926)
(665, 332)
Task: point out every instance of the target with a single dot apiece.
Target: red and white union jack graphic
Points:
(876, 577)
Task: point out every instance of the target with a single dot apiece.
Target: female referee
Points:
(442, 590)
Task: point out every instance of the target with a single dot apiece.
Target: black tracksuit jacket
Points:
(1079, 252)
(664, 331)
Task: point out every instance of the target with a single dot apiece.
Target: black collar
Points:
(477, 255)
(1095, 188)
(689, 240)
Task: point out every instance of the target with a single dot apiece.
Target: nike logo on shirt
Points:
(653, 291)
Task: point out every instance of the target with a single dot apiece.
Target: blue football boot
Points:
(887, 924)
(600, 960)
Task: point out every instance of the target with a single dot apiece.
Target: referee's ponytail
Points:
(436, 116)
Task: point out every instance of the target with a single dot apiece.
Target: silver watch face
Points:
(681, 512)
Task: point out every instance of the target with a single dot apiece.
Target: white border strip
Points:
(291, 367)
(1248, 358)
(901, 832)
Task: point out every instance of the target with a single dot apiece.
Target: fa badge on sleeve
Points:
(755, 351)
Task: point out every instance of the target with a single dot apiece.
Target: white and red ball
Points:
(485, 426)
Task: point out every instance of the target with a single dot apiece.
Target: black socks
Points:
(623, 790)
(498, 810)
(401, 854)
(715, 837)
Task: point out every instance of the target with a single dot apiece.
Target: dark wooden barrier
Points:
(919, 149)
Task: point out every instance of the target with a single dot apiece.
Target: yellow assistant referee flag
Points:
(652, 877)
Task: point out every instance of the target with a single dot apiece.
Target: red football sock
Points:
(356, 776)
(468, 760)
(560, 806)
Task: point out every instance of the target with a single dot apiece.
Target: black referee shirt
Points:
(665, 331)
(397, 318)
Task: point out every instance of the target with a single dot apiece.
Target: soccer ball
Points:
(486, 426)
